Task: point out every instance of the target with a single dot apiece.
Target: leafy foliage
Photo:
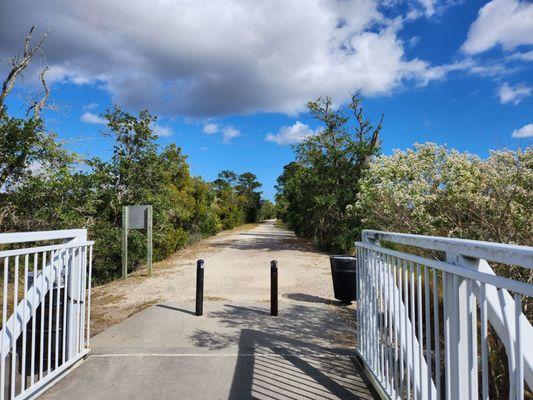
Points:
(316, 191)
(432, 190)
(59, 193)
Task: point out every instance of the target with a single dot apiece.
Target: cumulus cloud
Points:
(229, 133)
(205, 58)
(91, 118)
(211, 128)
(510, 94)
(90, 106)
(525, 56)
(524, 132)
(162, 130)
(294, 133)
(504, 22)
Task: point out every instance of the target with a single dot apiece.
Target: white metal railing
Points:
(46, 295)
(423, 324)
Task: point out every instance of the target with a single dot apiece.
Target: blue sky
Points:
(229, 82)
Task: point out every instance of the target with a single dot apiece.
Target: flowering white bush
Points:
(433, 190)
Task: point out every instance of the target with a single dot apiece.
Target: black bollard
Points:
(199, 287)
(274, 288)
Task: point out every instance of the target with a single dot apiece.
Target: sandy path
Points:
(237, 268)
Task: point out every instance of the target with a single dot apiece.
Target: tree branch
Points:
(18, 64)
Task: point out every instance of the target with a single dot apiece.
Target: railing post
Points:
(75, 293)
(460, 319)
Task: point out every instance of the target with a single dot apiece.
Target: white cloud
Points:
(90, 118)
(90, 106)
(525, 56)
(524, 132)
(211, 128)
(229, 133)
(294, 133)
(510, 94)
(504, 22)
(205, 58)
(163, 131)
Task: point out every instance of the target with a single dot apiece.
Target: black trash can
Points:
(344, 274)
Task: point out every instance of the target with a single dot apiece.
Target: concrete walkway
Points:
(236, 350)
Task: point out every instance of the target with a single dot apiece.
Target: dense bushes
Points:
(338, 186)
(433, 190)
(46, 187)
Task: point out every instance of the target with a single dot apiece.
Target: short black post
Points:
(199, 287)
(274, 288)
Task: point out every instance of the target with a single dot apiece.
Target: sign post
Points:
(136, 217)
(124, 242)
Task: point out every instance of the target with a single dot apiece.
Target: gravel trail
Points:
(237, 269)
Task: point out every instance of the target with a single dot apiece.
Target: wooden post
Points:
(149, 240)
(124, 242)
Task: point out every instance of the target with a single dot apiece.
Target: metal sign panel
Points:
(137, 217)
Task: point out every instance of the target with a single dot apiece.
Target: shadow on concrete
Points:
(175, 309)
(305, 353)
(312, 299)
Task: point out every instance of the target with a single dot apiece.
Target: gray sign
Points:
(137, 217)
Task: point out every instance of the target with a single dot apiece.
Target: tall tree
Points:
(317, 191)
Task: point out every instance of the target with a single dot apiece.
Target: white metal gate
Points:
(423, 323)
(46, 302)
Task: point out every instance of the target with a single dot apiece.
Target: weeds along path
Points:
(237, 269)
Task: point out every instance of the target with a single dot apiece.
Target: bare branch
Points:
(19, 64)
(38, 105)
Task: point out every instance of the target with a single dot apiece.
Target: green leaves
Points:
(315, 191)
(44, 188)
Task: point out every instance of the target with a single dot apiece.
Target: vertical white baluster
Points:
(483, 340)
(420, 330)
(50, 308)
(371, 309)
(407, 337)
(428, 329)
(367, 307)
(381, 330)
(364, 307)
(34, 317)
(4, 334)
(412, 319)
(447, 383)
(89, 295)
(388, 305)
(401, 317)
(23, 358)
(57, 303)
(360, 342)
(395, 325)
(66, 261)
(437, 330)
(83, 285)
(81, 327)
(13, 336)
(519, 359)
(42, 302)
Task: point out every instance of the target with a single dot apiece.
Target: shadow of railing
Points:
(306, 357)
